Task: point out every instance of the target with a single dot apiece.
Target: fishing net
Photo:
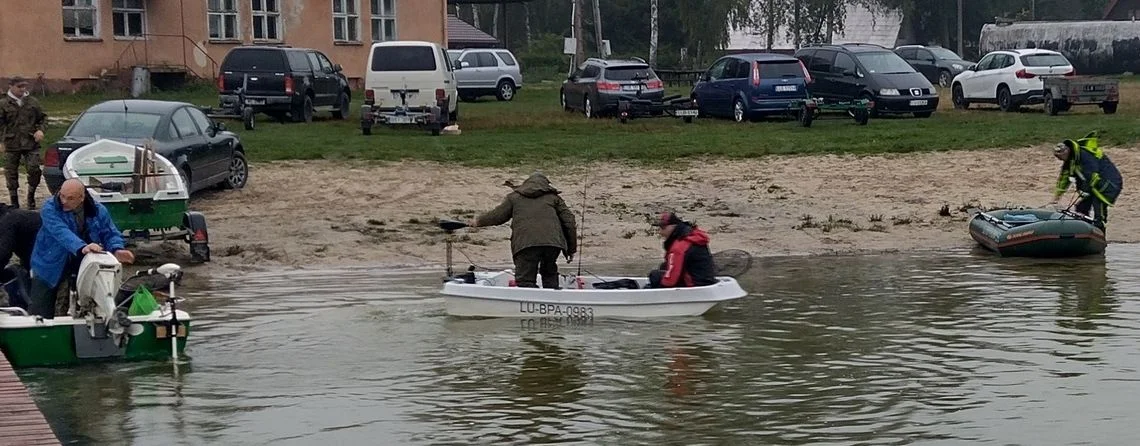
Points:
(732, 262)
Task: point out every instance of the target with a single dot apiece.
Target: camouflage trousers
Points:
(31, 161)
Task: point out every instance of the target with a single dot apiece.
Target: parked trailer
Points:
(1061, 93)
(1093, 46)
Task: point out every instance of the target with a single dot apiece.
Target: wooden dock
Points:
(21, 422)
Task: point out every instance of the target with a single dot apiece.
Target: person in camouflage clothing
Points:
(542, 226)
(21, 130)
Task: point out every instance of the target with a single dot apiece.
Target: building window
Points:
(129, 18)
(383, 20)
(266, 20)
(346, 21)
(223, 19)
(80, 18)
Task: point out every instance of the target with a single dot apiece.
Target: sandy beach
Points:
(328, 214)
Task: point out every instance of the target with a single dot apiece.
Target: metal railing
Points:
(144, 41)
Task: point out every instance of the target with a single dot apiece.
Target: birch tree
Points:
(653, 33)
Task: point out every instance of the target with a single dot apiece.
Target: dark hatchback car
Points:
(938, 64)
(594, 88)
(866, 71)
(203, 151)
(749, 86)
(284, 82)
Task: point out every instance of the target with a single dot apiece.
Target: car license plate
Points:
(255, 102)
(918, 102)
(785, 88)
(630, 87)
(400, 120)
(686, 113)
(1094, 87)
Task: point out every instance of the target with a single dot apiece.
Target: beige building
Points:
(65, 46)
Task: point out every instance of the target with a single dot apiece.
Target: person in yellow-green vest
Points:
(1098, 180)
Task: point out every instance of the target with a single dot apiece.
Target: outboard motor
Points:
(96, 286)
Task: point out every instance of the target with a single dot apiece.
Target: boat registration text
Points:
(556, 309)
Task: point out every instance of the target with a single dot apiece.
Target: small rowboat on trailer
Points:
(493, 294)
(1037, 233)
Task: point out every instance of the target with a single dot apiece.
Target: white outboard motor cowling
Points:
(97, 283)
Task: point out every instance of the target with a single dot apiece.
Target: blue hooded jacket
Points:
(59, 237)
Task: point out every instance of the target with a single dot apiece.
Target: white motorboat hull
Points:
(492, 296)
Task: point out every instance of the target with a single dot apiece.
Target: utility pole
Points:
(580, 51)
(960, 45)
(1032, 9)
(598, 28)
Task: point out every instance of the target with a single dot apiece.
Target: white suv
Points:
(486, 72)
(1009, 78)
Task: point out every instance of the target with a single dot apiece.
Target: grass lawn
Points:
(533, 129)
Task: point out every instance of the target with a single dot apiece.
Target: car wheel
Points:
(1050, 104)
(238, 173)
(305, 112)
(959, 98)
(562, 100)
(874, 110)
(247, 118)
(1005, 99)
(738, 112)
(342, 111)
(506, 91)
(944, 79)
(588, 108)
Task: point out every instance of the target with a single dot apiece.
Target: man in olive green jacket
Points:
(542, 226)
(21, 130)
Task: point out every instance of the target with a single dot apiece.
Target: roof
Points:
(1023, 52)
(851, 47)
(879, 26)
(764, 57)
(618, 62)
(137, 106)
(462, 32)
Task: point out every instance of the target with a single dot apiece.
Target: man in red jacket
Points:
(688, 261)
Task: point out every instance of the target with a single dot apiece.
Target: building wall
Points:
(177, 35)
(1094, 47)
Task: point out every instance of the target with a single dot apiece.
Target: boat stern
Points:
(31, 341)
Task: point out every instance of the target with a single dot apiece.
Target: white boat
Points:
(491, 294)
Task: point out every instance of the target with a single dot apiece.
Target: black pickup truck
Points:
(283, 82)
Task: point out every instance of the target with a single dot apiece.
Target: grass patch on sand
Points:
(533, 129)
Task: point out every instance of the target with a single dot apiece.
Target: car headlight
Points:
(958, 66)
(889, 92)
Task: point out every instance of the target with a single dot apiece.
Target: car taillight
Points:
(51, 157)
(288, 85)
(440, 94)
(369, 96)
(755, 74)
(609, 86)
(221, 82)
(807, 76)
(1071, 73)
(1022, 74)
(655, 83)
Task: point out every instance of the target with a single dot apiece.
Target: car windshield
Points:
(107, 124)
(780, 69)
(1044, 60)
(884, 62)
(254, 60)
(403, 58)
(629, 73)
(944, 54)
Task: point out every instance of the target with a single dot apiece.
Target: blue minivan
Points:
(752, 85)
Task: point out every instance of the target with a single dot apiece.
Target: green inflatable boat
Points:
(1037, 233)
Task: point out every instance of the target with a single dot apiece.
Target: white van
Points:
(420, 71)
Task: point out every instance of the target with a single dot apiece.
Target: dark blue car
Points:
(750, 86)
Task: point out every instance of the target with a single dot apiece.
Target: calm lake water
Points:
(931, 348)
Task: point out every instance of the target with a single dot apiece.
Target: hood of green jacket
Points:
(536, 186)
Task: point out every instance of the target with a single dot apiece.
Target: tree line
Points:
(690, 33)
